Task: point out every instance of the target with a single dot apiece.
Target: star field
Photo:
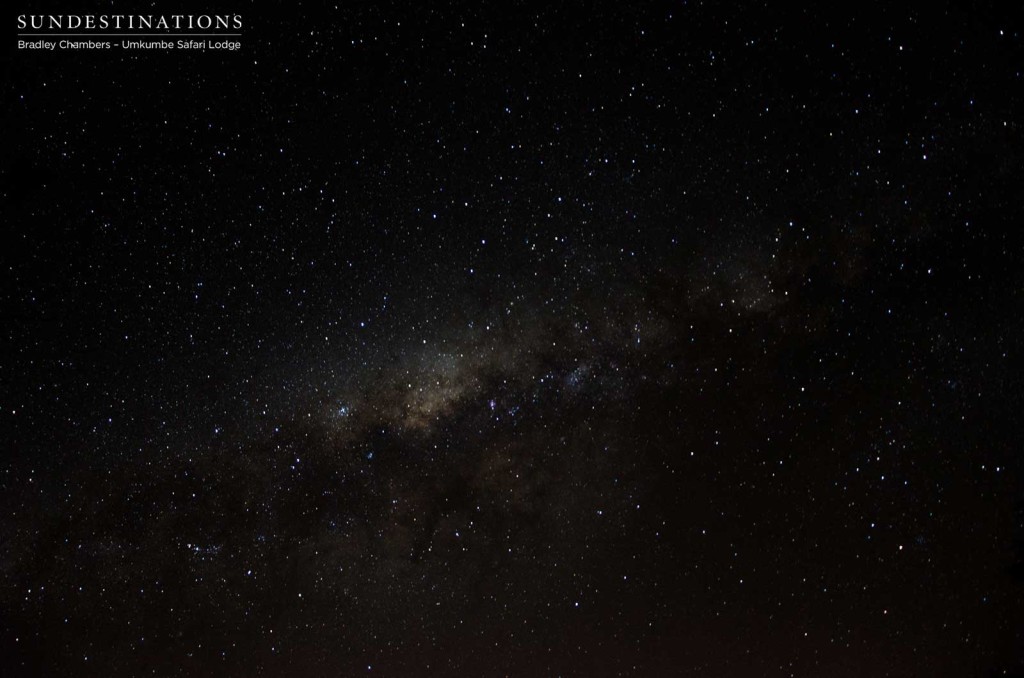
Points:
(517, 341)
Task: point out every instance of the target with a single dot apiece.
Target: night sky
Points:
(517, 340)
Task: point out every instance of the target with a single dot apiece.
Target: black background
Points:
(516, 340)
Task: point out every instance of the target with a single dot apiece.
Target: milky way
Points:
(647, 342)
